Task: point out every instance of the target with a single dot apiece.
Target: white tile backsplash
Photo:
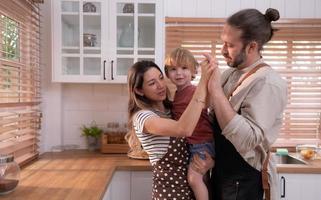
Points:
(77, 90)
(74, 135)
(107, 90)
(84, 103)
(77, 117)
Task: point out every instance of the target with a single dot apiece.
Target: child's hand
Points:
(207, 66)
(211, 60)
(202, 166)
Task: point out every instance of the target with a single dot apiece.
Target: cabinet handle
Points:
(283, 187)
(104, 72)
(112, 69)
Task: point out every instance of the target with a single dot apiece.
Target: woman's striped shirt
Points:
(155, 145)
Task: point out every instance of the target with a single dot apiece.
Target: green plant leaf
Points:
(93, 130)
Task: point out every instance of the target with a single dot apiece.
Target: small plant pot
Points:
(92, 143)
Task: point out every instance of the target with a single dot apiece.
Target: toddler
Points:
(180, 68)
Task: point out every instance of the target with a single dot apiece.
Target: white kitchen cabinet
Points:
(300, 186)
(141, 185)
(79, 40)
(97, 41)
(119, 187)
(130, 185)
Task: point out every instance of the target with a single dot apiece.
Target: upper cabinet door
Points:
(133, 34)
(97, 41)
(78, 40)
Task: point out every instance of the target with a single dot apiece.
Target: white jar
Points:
(9, 174)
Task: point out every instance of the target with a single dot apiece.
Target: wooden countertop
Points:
(72, 175)
(313, 167)
(80, 174)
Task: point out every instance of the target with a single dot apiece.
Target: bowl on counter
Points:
(306, 151)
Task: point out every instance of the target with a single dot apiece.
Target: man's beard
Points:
(239, 59)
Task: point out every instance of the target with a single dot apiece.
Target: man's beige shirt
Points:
(260, 101)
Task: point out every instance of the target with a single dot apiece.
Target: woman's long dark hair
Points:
(137, 102)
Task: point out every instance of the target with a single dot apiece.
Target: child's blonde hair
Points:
(181, 57)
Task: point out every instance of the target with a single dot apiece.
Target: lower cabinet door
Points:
(141, 185)
(119, 187)
(300, 186)
(130, 185)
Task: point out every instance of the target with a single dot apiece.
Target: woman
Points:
(150, 119)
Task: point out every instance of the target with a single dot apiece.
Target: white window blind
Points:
(294, 51)
(19, 79)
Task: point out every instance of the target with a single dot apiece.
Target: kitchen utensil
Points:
(89, 7)
(90, 40)
(128, 8)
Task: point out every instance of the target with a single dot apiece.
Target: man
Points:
(248, 102)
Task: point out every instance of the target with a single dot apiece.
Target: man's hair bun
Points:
(272, 14)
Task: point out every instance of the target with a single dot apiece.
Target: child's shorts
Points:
(200, 148)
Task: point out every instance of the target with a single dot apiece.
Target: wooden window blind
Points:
(19, 79)
(294, 51)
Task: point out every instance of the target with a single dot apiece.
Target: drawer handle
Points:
(104, 68)
(112, 70)
(283, 187)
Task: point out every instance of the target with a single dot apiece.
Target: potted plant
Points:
(92, 134)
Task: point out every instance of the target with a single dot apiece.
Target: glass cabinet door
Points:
(146, 32)
(81, 36)
(146, 28)
(126, 37)
(70, 41)
(91, 38)
(135, 23)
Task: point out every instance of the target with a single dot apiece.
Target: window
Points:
(19, 79)
(10, 38)
(294, 51)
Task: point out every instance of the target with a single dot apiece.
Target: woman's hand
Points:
(208, 65)
(214, 84)
(202, 166)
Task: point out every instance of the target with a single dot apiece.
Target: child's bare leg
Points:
(197, 184)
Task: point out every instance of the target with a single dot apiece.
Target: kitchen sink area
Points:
(288, 159)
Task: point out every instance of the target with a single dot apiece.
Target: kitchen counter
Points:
(313, 167)
(72, 175)
(80, 174)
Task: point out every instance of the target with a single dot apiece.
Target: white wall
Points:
(51, 92)
(83, 103)
(67, 106)
(221, 9)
